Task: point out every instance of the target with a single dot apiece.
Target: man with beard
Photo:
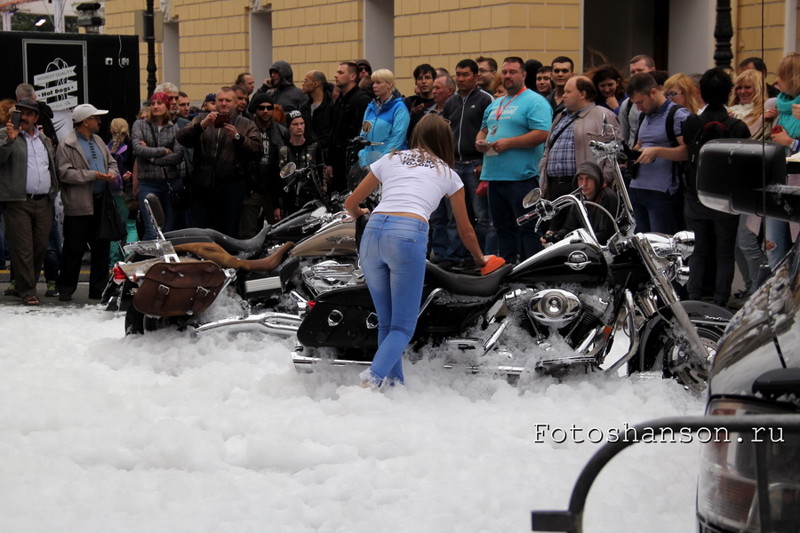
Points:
(511, 139)
(264, 182)
(317, 110)
(348, 115)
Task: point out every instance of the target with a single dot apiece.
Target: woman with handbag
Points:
(159, 157)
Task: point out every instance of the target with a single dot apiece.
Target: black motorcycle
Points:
(570, 302)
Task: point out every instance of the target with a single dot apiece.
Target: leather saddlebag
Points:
(178, 289)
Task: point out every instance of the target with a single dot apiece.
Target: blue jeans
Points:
(161, 189)
(778, 232)
(445, 241)
(655, 211)
(393, 261)
(477, 206)
(515, 243)
(749, 256)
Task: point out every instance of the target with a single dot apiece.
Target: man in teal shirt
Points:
(511, 139)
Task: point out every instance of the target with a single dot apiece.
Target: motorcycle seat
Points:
(464, 284)
(242, 248)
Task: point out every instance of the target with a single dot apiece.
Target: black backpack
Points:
(709, 130)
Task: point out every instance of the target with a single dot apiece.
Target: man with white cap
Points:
(84, 168)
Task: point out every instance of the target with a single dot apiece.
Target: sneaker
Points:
(63, 297)
(11, 291)
(51, 291)
(370, 381)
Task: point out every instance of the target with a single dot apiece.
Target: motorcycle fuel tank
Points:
(334, 239)
(571, 260)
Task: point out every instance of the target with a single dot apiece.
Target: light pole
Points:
(723, 31)
(150, 39)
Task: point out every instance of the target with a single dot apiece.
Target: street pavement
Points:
(80, 297)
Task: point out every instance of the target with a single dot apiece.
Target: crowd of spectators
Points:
(516, 125)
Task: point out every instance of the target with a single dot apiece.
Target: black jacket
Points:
(465, 116)
(348, 116)
(264, 176)
(319, 124)
(601, 223)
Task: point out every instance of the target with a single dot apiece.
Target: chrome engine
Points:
(575, 313)
(553, 307)
(331, 274)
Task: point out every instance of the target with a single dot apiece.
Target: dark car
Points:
(752, 482)
(750, 462)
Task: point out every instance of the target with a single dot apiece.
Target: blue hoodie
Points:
(387, 124)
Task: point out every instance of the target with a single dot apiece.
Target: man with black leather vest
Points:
(264, 187)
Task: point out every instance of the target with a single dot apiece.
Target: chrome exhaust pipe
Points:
(304, 363)
(278, 323)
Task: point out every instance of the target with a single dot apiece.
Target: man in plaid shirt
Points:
(567, 145)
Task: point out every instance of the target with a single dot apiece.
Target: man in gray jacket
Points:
(28, 187)
(567, 145)
(85, 166)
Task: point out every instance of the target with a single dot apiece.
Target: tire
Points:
(689, 371)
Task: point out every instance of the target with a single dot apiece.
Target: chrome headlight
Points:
(727, 494)
(683, 243)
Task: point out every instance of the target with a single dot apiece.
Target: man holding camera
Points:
(28, 186)
(224, 143)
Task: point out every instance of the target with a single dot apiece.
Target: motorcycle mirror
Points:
(532, 198)
(287, 170)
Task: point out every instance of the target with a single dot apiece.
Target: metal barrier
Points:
(571, 520)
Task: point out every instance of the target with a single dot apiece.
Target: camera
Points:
(15, 116)
(221, 120)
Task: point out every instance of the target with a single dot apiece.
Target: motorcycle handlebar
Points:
(361, 142)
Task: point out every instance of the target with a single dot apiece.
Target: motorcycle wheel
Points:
(687, 370)
(134, 321)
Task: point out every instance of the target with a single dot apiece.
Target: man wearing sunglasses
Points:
(264, 186)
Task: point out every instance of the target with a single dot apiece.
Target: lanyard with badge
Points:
(500, 109)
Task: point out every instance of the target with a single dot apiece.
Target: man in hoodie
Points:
(589, 178)
(280, 85)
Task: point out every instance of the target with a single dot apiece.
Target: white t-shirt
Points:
(412, 183)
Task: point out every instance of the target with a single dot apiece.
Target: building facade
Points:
(205, 44)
